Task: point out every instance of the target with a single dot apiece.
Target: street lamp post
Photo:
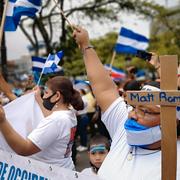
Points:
(3, 53)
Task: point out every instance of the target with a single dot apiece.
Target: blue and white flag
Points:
(18, 8)
(38, 63)
(129, 42)
(51, 64)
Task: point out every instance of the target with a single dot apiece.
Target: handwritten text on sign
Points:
(168, 98)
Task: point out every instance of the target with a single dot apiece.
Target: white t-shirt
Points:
(142, 165)
(55, 136)
(88, 171)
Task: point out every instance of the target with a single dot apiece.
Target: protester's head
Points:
(99, 147)
(131, 85)
(59, 92)
(143, 126)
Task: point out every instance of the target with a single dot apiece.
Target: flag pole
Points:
(3, 21)
(61, 11)
(112, 59)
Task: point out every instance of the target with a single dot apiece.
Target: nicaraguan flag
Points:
(115, 72)
(129, 42)
(38, 63)
(51, 64)
(18, 8)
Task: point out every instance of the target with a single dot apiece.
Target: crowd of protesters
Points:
(89, 110)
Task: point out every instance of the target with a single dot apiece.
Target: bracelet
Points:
(86, 48)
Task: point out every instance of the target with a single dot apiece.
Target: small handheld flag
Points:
(38, 63)
(51, 64)
(129, 42)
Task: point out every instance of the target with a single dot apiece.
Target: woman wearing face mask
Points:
(52, 140)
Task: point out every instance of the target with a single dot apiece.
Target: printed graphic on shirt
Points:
(71, 141)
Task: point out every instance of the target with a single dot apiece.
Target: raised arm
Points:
(6, 89)
(103, 87)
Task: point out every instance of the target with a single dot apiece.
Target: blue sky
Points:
(17, 43)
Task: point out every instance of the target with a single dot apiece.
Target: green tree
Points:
(165, 34)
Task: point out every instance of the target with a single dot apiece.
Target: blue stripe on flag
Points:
(51, 57)
(52, 61)
(38, 59)
(120, 48)
(36, 69)
(35, 2)
(18, 8)
(129, 42)
(60, 54)
(25, 11)
(132, 35)
(10, 24)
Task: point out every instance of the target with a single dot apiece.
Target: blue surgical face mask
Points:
(139, 135)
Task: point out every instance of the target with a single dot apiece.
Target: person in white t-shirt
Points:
(52, 140)
(135, 152)
(99, 147)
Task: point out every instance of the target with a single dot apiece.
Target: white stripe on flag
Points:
(10, 8)
(131, 42)
(38, 64)
(25, 3)
(48, 63)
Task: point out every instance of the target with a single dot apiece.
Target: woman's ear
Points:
(58, 95)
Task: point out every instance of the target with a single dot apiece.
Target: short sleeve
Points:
(115, 116)
(45, 133)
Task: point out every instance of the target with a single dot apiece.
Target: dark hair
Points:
(65, 87)
(100, 139)
(153, 83)
(132, 85)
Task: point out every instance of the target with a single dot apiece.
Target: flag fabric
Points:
(115, 72)
(129, 42)
(51, 64)
(38, 63)
(24, 114)
(18, 8)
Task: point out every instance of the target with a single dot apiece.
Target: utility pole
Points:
(3, 53)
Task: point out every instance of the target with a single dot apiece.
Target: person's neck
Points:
(59, 107)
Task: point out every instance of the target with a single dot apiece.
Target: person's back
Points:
(63, 125)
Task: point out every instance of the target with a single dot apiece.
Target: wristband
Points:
(86, 48)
